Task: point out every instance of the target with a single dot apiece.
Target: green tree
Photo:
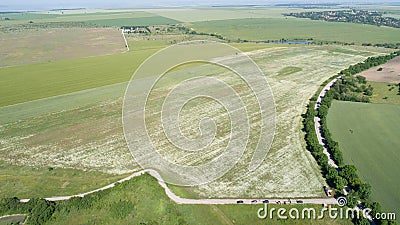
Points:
(375, 208)
(339, 182)
(352, 199)
(364, 191)
(331, 175)
(10, 206)
(323, 111)
(399, 89)
(349, 172)
(41, 211)
(361, 221)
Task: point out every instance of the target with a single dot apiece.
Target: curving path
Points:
(180, 200)
(317, 122)
(320, 136)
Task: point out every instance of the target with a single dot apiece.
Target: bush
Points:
(41, 211)
(121, 209)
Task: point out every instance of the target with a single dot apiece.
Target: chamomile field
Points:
(64, 75)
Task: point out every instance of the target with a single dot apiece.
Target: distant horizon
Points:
(44, 5)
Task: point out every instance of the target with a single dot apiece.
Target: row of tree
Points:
(399, 89)
(39, 210)
(385, 45)
(347, 88)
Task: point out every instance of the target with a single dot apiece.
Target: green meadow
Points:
(141, 21)
(42, 80)
(385, 93)
(148, 204)
(368, 135)
(21, 18)
(39, 182)
(258, 29)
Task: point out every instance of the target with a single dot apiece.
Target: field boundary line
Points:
(126, 42)
(55, 96)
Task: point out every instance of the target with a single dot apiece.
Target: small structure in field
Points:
(328, 192)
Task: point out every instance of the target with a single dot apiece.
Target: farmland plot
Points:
(90, 137)
(41, 45)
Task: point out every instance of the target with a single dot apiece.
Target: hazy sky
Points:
(6, 5)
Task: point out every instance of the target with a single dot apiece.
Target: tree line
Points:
(347, 88)
(40, 211)
(399, 88)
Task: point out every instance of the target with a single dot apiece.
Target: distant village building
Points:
(136, 29)
(145, 29)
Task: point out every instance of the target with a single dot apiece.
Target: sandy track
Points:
(317, 122)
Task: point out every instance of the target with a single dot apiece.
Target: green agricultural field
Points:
(292, 28)
(60, 103)
(42, 80)
(141, 21)
(368, 135)
(44, 45)
(78, 16)
(24, 16)
(386, 93)
(207, 14)
(223, 13)
(36, 81)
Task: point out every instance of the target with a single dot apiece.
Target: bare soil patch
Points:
(390, 72)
